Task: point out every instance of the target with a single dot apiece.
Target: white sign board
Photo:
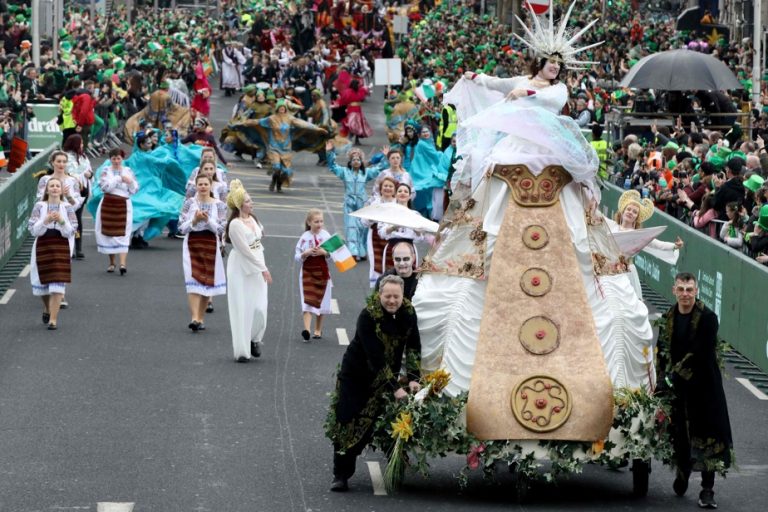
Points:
(388, 72)
(400, 24)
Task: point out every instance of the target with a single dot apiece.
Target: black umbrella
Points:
(681, 70)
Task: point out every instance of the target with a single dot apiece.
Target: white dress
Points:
(309, 240)
(77, 166)
(217, 219)
(247, 290)
(111, 182)
(75, 186)
(37, 227)
(526, 131)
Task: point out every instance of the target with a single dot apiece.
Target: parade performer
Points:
(219, 189)
(523, 230)
(393, 234)
(632, 212)
(355, 177)
(689, 373)
(396, 170)
(114, 215)
(233, 61)
(282, 134)
(160, 109)
(424, 164)
(53, 224)
(384, 192)
(79, 166)
(314, 277)
(403, 111)
(405, 263)
(354, 123)
(202, 135)
(70, 193)
(202, 220)
(386, 330)
(202, 92)
(247, 275)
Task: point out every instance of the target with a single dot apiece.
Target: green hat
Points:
(250, 89)
(724, 153)
(164, 85)
(118, 49)
(671, 164)
(762, 219)
(281, 103)
(271, 95)
(738, 154)
(754, 182)
(119, 64)
(671, 145)
(717, 161)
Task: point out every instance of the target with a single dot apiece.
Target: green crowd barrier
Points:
(17, 198)
(730, 283)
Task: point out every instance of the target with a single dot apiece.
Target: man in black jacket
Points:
(732, 190)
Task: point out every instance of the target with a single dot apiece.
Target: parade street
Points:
(123, 404)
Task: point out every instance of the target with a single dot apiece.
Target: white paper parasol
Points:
(633, 241)
(397, 215)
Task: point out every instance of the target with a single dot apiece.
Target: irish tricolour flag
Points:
(339, 253)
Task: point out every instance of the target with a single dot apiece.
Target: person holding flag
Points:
(314, 278)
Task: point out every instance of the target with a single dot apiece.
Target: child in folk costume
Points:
(53, 224)
(314, 279)
(203, 219)
(114, 216)
(384, 192)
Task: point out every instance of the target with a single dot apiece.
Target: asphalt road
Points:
(123, 404)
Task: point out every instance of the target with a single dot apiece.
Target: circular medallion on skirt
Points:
(536, 282)
(535, 237)
(541, 403)
(539, 335)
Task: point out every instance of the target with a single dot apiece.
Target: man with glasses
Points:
(404, 256)
(689, 373)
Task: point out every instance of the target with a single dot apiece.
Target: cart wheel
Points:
(640, 471)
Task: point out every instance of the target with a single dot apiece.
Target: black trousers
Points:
(344, 464)
(79, 215)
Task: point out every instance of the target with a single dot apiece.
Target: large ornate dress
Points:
(516, 298)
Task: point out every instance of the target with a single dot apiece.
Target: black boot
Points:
(79, 248)
(279, 181)
(273, 183)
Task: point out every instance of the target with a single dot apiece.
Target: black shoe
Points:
(680, 485)
(242, 359)
(123, 270)
(52, 327)
(200, 326)
(64, 304)
(707, 499)
(317, 336)
(195, 326)
(255, 349)
(46, 317)
(209, 308)
(79, 255)
(305, 335)
(339, 485)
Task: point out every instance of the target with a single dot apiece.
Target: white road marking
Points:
(335, 307)
(376, 478)
(25, 271)
(7, 296)
(106, 506)
(341, 333)
(752, 389)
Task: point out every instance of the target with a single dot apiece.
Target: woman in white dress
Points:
(508, 122)
(631, 213)
(114, 216)
(53, 224)
(202, 221)
(247, 275)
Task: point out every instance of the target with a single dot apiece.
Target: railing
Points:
(17, 198)
(730, 283)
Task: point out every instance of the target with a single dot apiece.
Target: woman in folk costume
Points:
(355, 177)
(354, 123)
(529, 237)
(219, 189)
(70, 193)
(202, 92)
(384, 192)
(79, 166)
(202, 220)
(314, 278)
(247, 275)
(114, 216)
(632, 212)
(53, 224)
(425, 163)
(232, 66)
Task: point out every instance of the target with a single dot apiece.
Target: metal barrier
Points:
(17, 198)
(730, 283)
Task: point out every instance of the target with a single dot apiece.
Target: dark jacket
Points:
(730, 191)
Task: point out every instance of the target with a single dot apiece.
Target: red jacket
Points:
(83, 109)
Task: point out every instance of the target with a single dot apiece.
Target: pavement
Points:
(124, 409)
